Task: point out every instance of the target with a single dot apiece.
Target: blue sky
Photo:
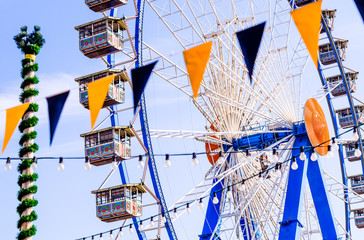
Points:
(66, 206)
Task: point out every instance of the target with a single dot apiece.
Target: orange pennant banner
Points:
(308, 23)
(97, 92)
(196, 61)
(13, 116)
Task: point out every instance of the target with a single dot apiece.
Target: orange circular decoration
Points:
(316, 126)
(212, 157)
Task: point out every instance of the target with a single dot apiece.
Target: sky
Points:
(66, 207)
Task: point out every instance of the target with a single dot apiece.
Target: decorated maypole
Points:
(30, 45)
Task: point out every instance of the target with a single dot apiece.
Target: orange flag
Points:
(196, 61)
(97, 92)
(13, 116)
(308, 23)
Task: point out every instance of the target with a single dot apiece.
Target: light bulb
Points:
(260, 180)
(200, 205)
(215, 200)
(34, 163)
(151, 223)
(141, 228)
(357, 152)
(188, 209)
(294, 165)
(7, 166)
(60, 166)
(130, 229)
(334, 145)
(120, 234)
(111, 236)
(329, 154)
(355, 136)
(114, 165)
(241, 187)
(229, 194)
(221, 159)
(141, 164)
(175, 213)
(278, 173)
(194, 159)
(302, 154)
(274, 155)
(101, 238)
(164, 220)
(87, 165)
(313, 155)
(167, 163)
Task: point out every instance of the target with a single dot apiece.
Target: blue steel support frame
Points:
(213, 214)
(122, 166)
(292, 208)
(296, 182)
(145, 126)
(334, 120)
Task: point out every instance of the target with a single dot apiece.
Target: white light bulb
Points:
(167, 163)
(151, 223)
(334, 145)
(188, 210)
(215, 200)
(294, 165)
(357, 152)
(241, 187)
(175, 215)
(60, 166)
(7, 166)
(260, 180)
(313, 156)
(221, 160)
(34, 165)
(101, 238)
(229, 195)
(141, 228)
(131, 230)
(355, 136)
(275, 158)
(120, 234)
(194, 162)
(111, 236)
(87, 165)
(164, 220)
(200, 205)
(302, 156)
(278, 173)
(114, 165)
(141, 164)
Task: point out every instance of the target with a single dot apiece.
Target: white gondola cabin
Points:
(104, 5)
(337, 85)
(346, 119)
(359, 217)
(300, 3)
(115, 94)
(119, 202)
(327, 55)
(101, 37)
(329, 16)
(350, 152)
(108, 144)
(357, 183)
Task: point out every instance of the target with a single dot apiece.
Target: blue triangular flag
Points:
(55, 106)
(360, 6)
(139, 78)
(249, 40)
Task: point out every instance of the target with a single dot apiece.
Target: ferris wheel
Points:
(256, 186)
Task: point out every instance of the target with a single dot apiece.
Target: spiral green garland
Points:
(29, 44)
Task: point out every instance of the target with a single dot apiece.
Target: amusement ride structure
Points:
(262, 138)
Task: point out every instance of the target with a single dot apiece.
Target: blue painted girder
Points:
(290, 225)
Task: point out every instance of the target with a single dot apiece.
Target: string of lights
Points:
(333, 146)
